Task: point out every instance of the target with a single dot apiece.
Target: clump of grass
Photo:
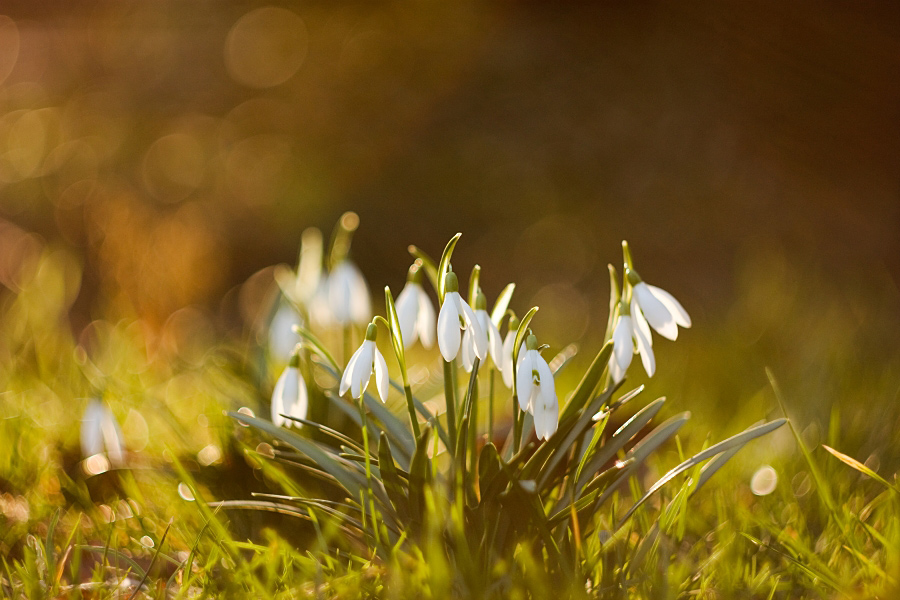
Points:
(614, 507)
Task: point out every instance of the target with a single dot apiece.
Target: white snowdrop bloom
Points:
(100, 433)
(628, 338)
(282, 337)
(290, 396)
(359, 370)
(455, 316)
(348, 294)
(495, 344)
(662, 311)
(537, 390)
(319, 310)
(506, 369)
(415, 311)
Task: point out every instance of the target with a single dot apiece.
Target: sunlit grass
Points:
(829, 529)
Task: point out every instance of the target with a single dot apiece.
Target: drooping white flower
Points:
(660, 309)
(537, 391)
(290, 396)
(282, 337)
(506, 368)
(359, 369)
(415, 311)
(348, 294)
(629, 337)
(456, 316)
(100, 433)
(495, 344)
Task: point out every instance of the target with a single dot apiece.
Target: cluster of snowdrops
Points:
(463, 327)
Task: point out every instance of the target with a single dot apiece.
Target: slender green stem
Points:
(450, 400)
(470, 413)
(368, 457)
(473, 425)
(491, 406)
(518, 422)
(410, 406)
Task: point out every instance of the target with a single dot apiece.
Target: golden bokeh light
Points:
(266, 47)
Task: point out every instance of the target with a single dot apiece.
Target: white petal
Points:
(673, 305)
(112, 437)
(278, 400)
(360, 303)
(525, 381)
(339, 291)
(506, 366)
(448, 333)
(646, 352)
(547, 396)
(301, 406)
(362, 369)
(347, 377)
(615, 371)
(467, 350)
(91, 435)
(546, 409)
(348, 294)
(382, 379)
(656, 312)
(480, 335)
(639, 321)
(495, 342)
(282, 337)
(319, 309)
(425, 321)
(407, 306)
(623, 347)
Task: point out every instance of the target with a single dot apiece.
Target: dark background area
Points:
(179, 147)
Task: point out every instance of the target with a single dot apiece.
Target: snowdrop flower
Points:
(456, 315)
(537, 391)
(359, 370)
(506, 368)
(100, 433)
(663, 312)
(290, 396)
(348, 294)
(415, 312)
(629, 337)
(495, 345)
(282, 337)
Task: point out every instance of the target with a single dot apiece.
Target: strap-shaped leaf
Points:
(429, 416)
(419, 475)
(400, 435)
(520, 337)
(474, 279)
(622, 436)
(431, 269)
(502, 304)
(855, 464)
(644, 448)
(589, 382)
(561, 441)
(394, 324)
(735, 441)
(343, 472)
(444, 265)
(317, 346)
(352, 413)
(395, 488)
(488, 469)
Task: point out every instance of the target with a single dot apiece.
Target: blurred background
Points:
(749, 152)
